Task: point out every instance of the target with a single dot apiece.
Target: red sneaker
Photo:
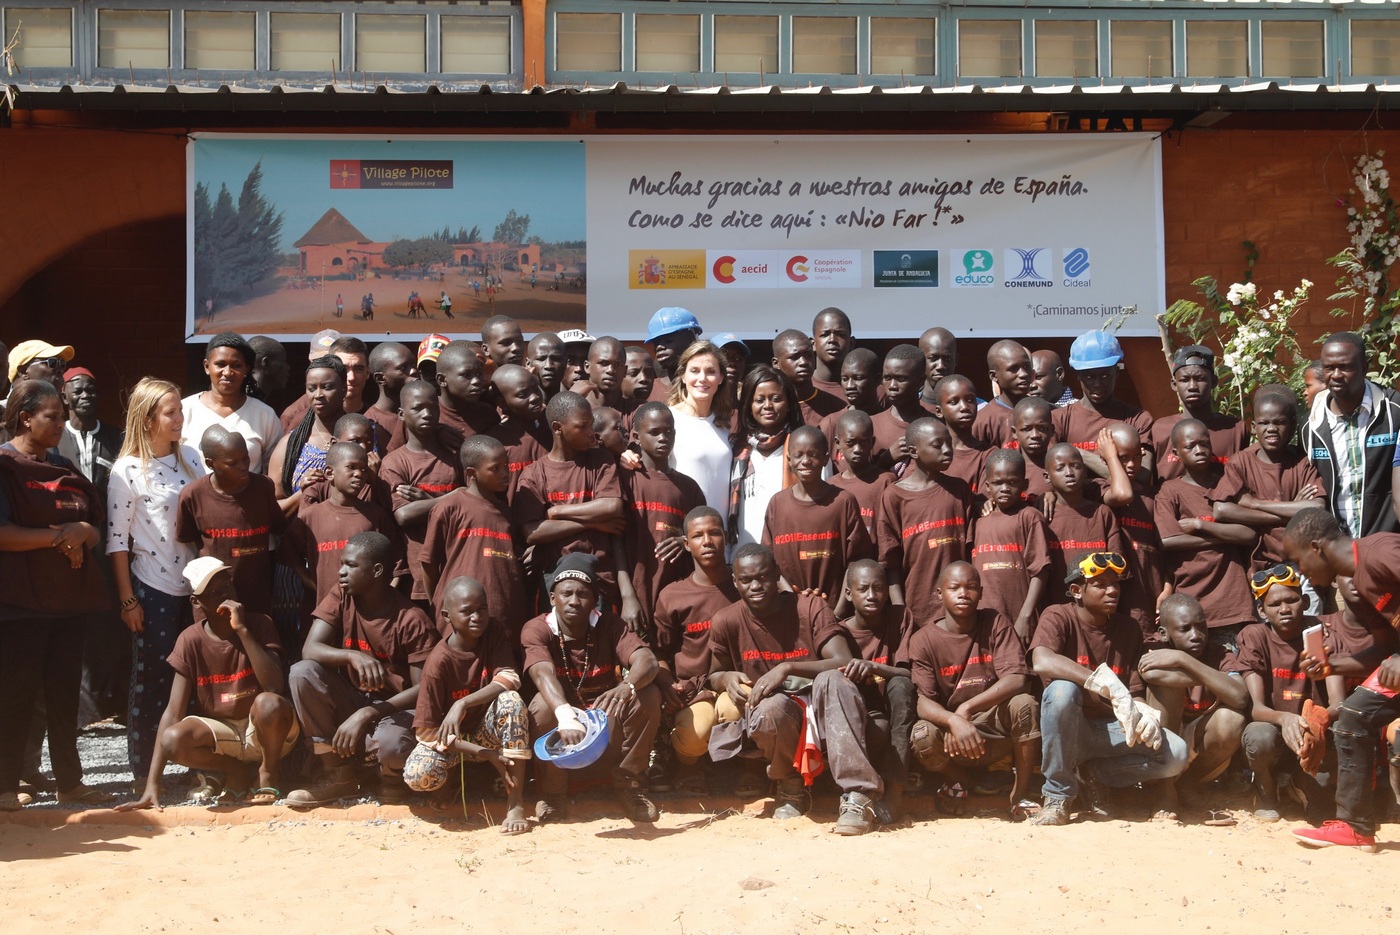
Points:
(1335, 834)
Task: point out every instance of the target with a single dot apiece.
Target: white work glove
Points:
(1149, 726)
(1103, 682)
(568, 718)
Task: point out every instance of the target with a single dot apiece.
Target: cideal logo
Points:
(978, 269)
(1032, 266)
(724, 269)
(1076, 265)
(797, 268)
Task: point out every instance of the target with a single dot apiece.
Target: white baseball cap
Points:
(201, 571)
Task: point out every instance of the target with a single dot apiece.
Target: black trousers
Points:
(1364, 715)
(40, 656)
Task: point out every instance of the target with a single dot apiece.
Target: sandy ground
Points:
(305, 311)
(369, 869)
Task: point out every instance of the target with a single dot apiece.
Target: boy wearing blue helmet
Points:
(573, 654)
(1096, 358)
(670, 331)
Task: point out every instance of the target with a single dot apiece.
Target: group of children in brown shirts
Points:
(941, 587)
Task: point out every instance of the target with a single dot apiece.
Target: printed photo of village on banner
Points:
(367, 236)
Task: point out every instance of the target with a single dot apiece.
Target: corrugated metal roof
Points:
(369, 97)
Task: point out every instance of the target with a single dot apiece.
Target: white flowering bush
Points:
(1373, 225)
(1258, 343)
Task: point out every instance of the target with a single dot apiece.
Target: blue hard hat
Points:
(584, 753)
(726, 338)
(1095, 350)
(669, 320)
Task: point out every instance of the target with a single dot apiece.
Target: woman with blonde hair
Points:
(143, 494)
(702, 408)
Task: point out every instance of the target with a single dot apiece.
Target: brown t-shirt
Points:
(318, 536)
(889, 436)
(1215, 575)
(795, 632)
(920, 532)
(473, 536)
(591, 666)
(1245, 473)
(433, 471)
(375, 491)
(1118, 645)
(969, 463)
(1079, 425)
(1343, 637)
(1138, 522)
(682, 618)
(886, 644)
(1200, 699)
(237, 529)
(400, 640)
(455, 427)
(1263, 653)
(1008, 550)
(867, 492)
(951, 668)
(451, 674)
(995, 425)
(656, 503)
(814, 541)
(1377, 577)
(392, 423)
(219, 671)
(546, 483)
(525, 444)
(1228, 436)
(1075, 531)
(821, 405)
(828, 426)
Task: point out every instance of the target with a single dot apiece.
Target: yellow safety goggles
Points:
(1283, 573)
(1095, 564)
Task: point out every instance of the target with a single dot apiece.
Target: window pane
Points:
(1067, 49)
(1217, 50)
(902, 46)
(668, 43)
(824, 45)
(45, 37)
(133, 38)
(390, 42)
(588, 41)
(1292, 50)
(746, 44)
(219, 40)
(476, 45)
(989, 47)
(1375, 47)
(305, 41)
(1141, 49)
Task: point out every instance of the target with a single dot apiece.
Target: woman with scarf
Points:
(768, 412)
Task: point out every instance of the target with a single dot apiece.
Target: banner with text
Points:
(988, 235)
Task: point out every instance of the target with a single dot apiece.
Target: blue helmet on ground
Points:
(669, 320)
(584, 753)
(1095, 350)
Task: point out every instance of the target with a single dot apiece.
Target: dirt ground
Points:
(306, 311)
(385, 869)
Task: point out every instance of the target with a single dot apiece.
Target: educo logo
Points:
(724, 269)
(797, 268)
(978, 269)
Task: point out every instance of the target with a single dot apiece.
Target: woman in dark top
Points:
(49, 519)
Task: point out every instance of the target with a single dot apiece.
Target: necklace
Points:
(587, 653)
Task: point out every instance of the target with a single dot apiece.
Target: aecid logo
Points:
(978, 269)
(797, 268)
(1076, 265)
(724, 269)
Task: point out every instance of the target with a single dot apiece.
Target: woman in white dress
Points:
(768, 412)
(700, 403)
(228, 361)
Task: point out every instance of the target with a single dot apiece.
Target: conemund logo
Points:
(978, 269)
(1077, 263)
(1031, 274)
(797, 268)
(724, 269)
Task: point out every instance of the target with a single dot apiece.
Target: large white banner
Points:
(984, 235)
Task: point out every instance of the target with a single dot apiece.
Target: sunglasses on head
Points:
(1282, 573)
(1096, 563)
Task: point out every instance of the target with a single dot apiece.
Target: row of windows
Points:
(829, 45)
(227, 41)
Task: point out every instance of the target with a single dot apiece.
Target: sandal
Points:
(950, 799)
(210, 787)
(692, 783)
(264, 795)
(751, 785)
(83, 794)
(14, 801)
(228, 797)
(513, 826)
(1026, 808)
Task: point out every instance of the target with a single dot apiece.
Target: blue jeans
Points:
(1072, 741)
(166, 616)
